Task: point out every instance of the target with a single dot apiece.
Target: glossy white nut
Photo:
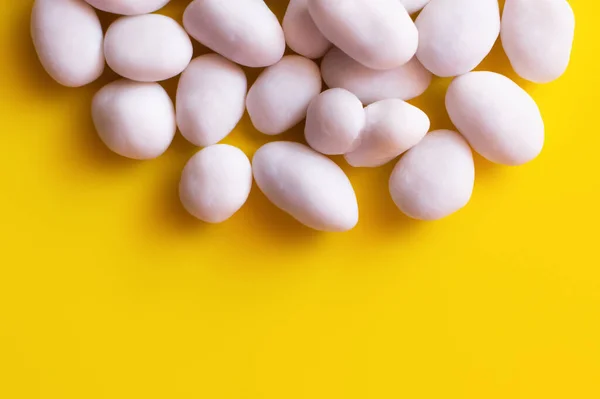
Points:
(128, 7)
(435, 178)
(280, 97)
(392, 127)
(215, 183)
(456, 35)
(245, 31)
(211, 99)
(301, 33)
(147, 48)
(334, 122)
(498, 118)
(413, 6)
(369, 85)
(378, 34)
(537, 36)
(67, 36)
(134, 119)
(307, 185)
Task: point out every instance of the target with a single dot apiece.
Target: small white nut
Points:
(301, 33)
(128, 7)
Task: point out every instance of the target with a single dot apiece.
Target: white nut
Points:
(301, 33)
(211, 99)
(498, 118)
(435, 178)
(134, 119)
(128, 7)
(215, 183)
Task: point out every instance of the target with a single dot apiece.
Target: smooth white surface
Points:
(413, 6)
(128, 7)
(301, 33)
(309, 186)
(134, 119)
(211, 99)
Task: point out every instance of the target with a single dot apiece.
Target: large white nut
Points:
(245, 31)
(67, 36)
(537, 36)
(334, 122)
(435, 178)
(280, 97)
(134, 119)
(147, 48)
(128, 7)
(456, 35)
(301, 33)
(307, 185)
(215, 183)
(369, 85)
(413, 6)
(498, 118)
(392, 127)
(211, 99)
(378, 34)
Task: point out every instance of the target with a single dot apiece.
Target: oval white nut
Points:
(280, 97)
(435, 178)
(301, 33)
(456, 35)
(147, 48)
(392, 127)
(499, 119)
(128, 7)
(370, 85)
(378, 34)
(211, 99)
(134, 119)
(413, 6)
(334, 122)
(245, 31)
(307, 185)
(215, 183)
(537, 36)
(67, 36)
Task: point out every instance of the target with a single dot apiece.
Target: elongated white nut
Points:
(147, 48)
(215, 183)
(280, 97)
(378, 34)
(301, 33)
(413, 6)
(435, 178)
(369, 85)
(128, 7)
(134, 119)
(67, 36)
(456, 35)
(307, 185)
(537, 36)
(392, 127)
(498, 118)
(211, 99)
(245, 31)
(334, 122)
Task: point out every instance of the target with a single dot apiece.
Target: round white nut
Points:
(412, 6)
(147, 48)
(537, 36)
(456, 35)
(245, 31)
(280, 97)
(128, 7)
(498, 118)
(435, 178)
(307, 185)
(211, 99)
(334, 122)
(392, 127)
(378, 34)
(215, 183)
(134, 119)
(369, 85)
(301, 33)
(67, 36)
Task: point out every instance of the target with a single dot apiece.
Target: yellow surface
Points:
(109, 290)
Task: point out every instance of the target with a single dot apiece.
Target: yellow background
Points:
(109, 290)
